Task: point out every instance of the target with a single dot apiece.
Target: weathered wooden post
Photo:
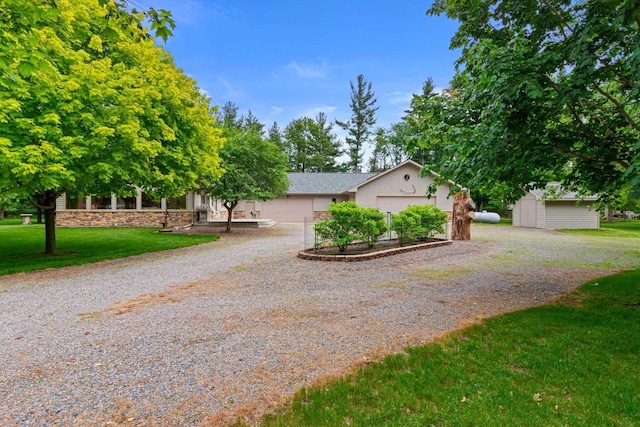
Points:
(462, 216)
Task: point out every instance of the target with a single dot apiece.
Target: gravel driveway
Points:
(233, 328)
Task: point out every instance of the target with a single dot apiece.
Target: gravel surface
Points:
(233, 328)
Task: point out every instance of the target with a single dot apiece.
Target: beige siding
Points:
(395, 204)
(60, 205)
(569, 215)
(541, 218)
(394, 184)
(190, 199)
(321, 203)
(288, 210)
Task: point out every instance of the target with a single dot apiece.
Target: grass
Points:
(22, 247)
(574, 363)
(502, 222)
(619, 228)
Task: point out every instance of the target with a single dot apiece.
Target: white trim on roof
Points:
(406, 162)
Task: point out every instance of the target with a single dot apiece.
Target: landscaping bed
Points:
(362, 251)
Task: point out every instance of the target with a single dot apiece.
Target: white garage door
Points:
(569, 215)
(395, 204)
(287, 210)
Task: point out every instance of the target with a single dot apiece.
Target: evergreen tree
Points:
(363, 118)
(325, 144)
(274, 135)
(251, 123)
(424, 121)
(227, 116)
(297, 135)
(311, 145)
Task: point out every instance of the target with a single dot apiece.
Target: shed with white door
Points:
(554, 208)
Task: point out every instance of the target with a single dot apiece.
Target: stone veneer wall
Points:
(321, 215)
(120, 218)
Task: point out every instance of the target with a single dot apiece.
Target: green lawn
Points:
(22, 247)
(574, 363)
(618, 228)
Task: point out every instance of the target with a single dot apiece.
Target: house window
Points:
(126, 202)
(100, 202)
(75, 201)
(149, 202)
(177, 202)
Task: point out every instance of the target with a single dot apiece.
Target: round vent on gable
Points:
(407, 177)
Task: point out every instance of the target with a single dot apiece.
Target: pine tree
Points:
(362, 120)
(251, 123)
(227, 116)
(311, 145)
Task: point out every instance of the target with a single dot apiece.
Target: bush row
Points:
(351, 223)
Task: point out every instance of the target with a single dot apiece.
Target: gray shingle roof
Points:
(554, 191)
(325, 182)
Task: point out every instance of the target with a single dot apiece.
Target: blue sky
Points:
(287, 59)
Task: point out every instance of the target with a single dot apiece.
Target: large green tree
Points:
(89, 104)
(547, 90)
(255, 169)
(360, 126)
(311, 145)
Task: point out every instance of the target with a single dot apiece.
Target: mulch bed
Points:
(363, 248)
(362, 252)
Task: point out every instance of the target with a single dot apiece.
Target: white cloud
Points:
(308, 70)
(275, 111)
(399, 98)
(230, 92)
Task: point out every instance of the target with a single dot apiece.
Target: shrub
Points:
(373, 225)
(420, 221)
(349, 223)
(406, 225)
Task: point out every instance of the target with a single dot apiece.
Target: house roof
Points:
(409, 162)
(555, 192)
(325, 182)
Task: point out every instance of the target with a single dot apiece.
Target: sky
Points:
(285, 59)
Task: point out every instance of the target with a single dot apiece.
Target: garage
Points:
(288, 210)
(570, 215)
(555, 208)
(395, 204)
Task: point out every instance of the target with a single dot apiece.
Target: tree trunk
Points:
(49, 208)
(610, 212)
(230, 206)
(39, 216)
(1, 213)
(462, 217)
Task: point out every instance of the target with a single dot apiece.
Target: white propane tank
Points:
(484, 216)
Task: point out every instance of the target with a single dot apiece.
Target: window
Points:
(177, 202)
(126, 202)
(75, 201)
(149, 202)
(100, 202)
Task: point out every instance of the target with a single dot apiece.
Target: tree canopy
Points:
(89, 104)
(310, 145)
(544, 91)
(255, 169)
